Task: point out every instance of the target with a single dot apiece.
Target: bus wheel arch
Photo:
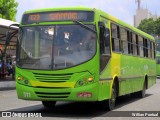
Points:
(142, 93)
(116, 83)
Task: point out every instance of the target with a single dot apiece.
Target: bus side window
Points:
(124, 42)
(150, 49)
(102, 32)
(140, 45)
(134, 43)
(104, 40)
(130, 42)
(104, 46)
(107, 42)
(115, 38)
(154, 51)
(137, 44)
(145, 47)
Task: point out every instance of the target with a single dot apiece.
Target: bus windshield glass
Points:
(55, 47)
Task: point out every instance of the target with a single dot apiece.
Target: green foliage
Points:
(8, 9)
(150, 26)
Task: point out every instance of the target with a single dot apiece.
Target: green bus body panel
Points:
(130, 71)
(133, 71)
(49, 93)
(78, 73)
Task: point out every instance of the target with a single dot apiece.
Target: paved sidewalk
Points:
(7, 84)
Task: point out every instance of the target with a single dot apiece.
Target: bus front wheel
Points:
(110, 103)
(49, 104)
(112, 100)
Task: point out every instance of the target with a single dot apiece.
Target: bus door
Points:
(104, 41)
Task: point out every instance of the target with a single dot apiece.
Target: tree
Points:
(147, 25)
(8, 9)
(150, 26)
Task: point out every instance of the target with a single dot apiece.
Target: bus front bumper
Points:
(83, 93)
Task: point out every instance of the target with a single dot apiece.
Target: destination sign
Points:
(86, 16)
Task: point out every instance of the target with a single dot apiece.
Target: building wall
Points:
(142, 14)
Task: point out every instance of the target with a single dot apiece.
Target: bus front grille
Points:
(52, 95)
(52, 77)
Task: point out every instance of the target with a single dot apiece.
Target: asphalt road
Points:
(74, 110)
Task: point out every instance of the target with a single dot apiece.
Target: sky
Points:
(122, 9)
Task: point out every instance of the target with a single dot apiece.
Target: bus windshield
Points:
(55, 47)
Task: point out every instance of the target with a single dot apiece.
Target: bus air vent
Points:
(52, 95)
(52, 77)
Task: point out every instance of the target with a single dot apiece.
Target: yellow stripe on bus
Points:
(45, 84)
(115, 65)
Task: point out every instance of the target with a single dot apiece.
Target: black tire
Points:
(142, 93)
(49, 104)
(110, 103)
(112, 100)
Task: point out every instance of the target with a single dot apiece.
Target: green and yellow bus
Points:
(81, 54)
(158, 65)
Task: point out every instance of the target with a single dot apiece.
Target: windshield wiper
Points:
(85, 26)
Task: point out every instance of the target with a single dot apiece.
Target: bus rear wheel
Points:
(142, 93)
(49, 104)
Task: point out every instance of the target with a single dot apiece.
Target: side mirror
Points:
(9, 34)
(14, 25)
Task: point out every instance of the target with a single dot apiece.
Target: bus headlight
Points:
(19, 78)
(22, 80)
(85, 81)
(90, 79)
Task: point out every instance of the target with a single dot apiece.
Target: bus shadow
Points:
(66, 109)
(76, 109)
(127, 99)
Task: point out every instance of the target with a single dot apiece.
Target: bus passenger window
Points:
(137, 45)
(145, 47)
(134, 44)
(149, 49)
(124, 43)
(154, 53)
(115, 38)
(130, 42)
(140, 46)
(107, 42)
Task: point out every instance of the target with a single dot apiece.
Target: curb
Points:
(7, 85)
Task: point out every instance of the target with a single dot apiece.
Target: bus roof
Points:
(97, 11)
(120, 22)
